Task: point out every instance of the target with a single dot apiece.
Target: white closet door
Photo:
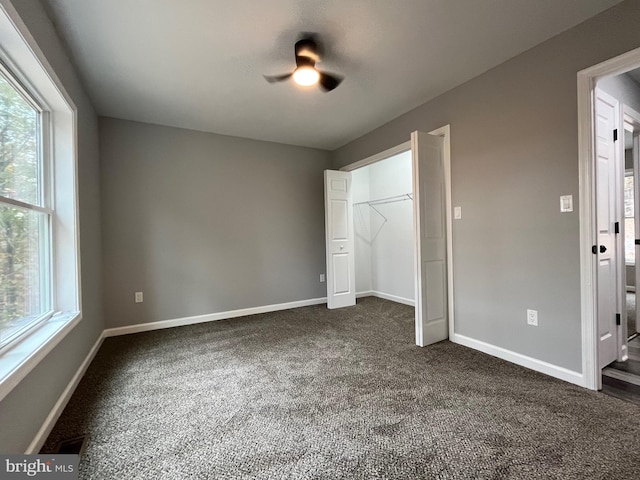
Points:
(341, 281)
(431, 246)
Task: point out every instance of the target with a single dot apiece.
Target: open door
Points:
(338, 208)
(431, 246)
(607, 251)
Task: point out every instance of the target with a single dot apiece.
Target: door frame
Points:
(587, 78)
(445, 133)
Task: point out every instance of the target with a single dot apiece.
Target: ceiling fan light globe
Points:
(306, 76)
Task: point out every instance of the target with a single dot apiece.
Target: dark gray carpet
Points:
(313, 393)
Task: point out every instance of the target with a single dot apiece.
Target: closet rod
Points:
(395, 198)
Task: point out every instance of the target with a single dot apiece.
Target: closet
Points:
(383, 228)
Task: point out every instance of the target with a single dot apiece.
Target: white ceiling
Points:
(198, 64)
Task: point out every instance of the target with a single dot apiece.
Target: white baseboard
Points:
(387, 296)
(368, 293)
(522, 360)
(210, 317)
(57, 409)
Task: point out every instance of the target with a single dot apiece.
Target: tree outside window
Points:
(24, 216)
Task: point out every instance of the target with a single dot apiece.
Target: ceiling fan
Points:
(306, 74)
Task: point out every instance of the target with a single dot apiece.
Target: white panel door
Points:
(431, 252)
(606, 115)
(338, 208)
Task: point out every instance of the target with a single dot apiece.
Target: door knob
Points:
(341, 247)
(603, 249)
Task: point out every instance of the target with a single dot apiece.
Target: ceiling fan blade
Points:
(277, 78)
(329, 81)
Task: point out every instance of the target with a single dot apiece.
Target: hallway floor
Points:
(622, 379)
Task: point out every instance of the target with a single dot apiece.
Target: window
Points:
(25, 217)
(39, 250)
(629, 220)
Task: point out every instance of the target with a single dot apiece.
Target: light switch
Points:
(457, 213)
(566, 203)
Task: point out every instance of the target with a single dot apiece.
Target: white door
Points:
(338, 211)
(606, 115)
(431, 252)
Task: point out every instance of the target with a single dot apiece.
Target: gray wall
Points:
(24, 410)
(514, 150)
(205, 223)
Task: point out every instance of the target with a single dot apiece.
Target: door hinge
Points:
(617, 319)
(615, 135)
(616, 227)
(594, 249)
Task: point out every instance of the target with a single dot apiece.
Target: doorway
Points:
(615, 99)
(607, 217)
(431, 232)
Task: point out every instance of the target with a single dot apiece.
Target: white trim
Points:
(588, 289)
(390, 152)
(59, 406)
(366, 293)
(522, 360)
(387, 296)
(210, 317)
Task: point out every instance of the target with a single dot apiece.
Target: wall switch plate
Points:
(138, 297)
(321, 277)
(457, 213)
(532, 317)
(566, 203)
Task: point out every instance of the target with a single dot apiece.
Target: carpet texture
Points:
(313, 393)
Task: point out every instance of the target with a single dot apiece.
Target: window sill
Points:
(22, 357)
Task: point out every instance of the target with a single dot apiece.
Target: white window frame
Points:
(25, 61)
(42, 205)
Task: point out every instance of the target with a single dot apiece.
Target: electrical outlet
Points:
(321, 277)
(532, 317)
(138, 297)
(457, 213)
